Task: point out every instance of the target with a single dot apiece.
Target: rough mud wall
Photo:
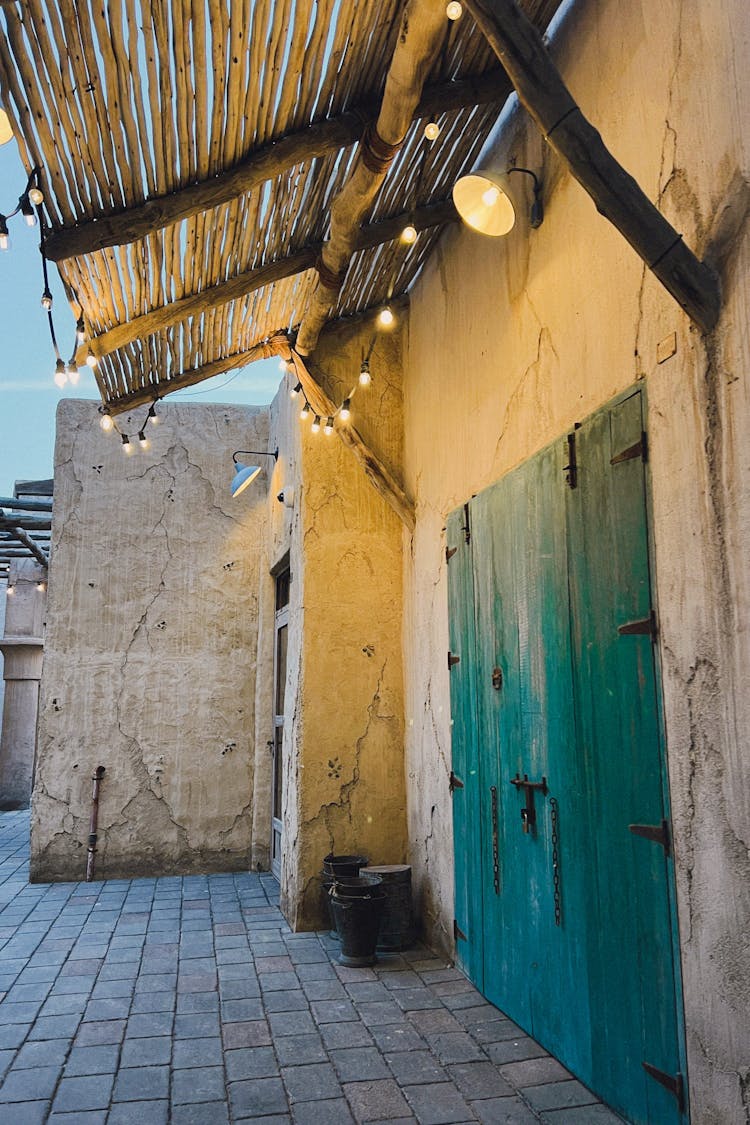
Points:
(344, 764)
(513, 340)
(150, 664)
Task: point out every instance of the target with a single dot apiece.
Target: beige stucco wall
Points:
(343, 741)
(151, 648)
(513, 340)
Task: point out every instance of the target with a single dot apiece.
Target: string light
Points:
(61, 375)
(432, 130)
(282, 365)
(10, 590)
(91, 360)
(454, 10)
(36, 195)
(80, 330)
(26, 208)
(142, 439)
(328, 427)
(409, 234)
(40, 586)
(72, 372)
(386, 317)
(152, 416)
(4, 239)
(106, 421)
(365, 378)
(295, 390)
(47, 301)
(126, 446)
(305, 411)
(316, 424)
(344, 412)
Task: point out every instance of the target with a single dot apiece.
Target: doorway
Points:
(564, 880)
(281, 636)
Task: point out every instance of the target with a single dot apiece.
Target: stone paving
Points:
(189, 1000)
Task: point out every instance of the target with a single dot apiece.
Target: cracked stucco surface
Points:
(510, 342)
(343, 741)
(151, 649)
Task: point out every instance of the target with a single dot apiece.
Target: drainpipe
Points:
(93, 823)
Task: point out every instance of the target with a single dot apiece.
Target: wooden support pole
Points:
(435, 214)
(519, 46)
(31, 546)
(319, 139)
(378, 474)
(421, 33)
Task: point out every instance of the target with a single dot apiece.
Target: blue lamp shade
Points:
(244, 475)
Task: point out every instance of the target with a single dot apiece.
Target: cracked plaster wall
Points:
(510, 342)
(151, 648)
(343, 741)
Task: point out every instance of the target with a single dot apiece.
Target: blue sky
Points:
(28, 395)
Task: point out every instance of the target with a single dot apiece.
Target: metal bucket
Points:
(358, 923)
(343, 864)
(397, 929)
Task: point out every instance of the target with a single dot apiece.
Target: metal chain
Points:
(554, 818)
(495, 843)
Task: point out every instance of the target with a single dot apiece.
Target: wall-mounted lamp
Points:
(286, 497)
(488, 202)
(246, 474)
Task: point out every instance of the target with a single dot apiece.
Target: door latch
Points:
(528, 812)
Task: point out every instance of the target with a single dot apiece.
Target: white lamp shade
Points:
(244, 476)
(483, 200)
(6, 133)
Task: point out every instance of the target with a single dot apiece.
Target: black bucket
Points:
(397, 927)
(343, 864)
(356, 886)
(358, 922)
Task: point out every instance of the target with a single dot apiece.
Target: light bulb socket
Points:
(142, 439)
(127, 447)
(4, 239)
(328, 426)
(80, 330)
(316, 424)
(365, 378)
(26, 208)
(345, 412)
(152, 416)
(91, 360)
(305, 411)
(47, 300)
(295, 390)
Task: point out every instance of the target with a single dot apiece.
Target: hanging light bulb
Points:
(47, 301)
(4, 239)
(345, 412)
(80, 330)
(61, 375)
(328, 427)
(282, 365)
(142, 439)
(305, 411)
(72, 372)
(365, 378)
(26, 208)
(126, 446)
(40, 586)
(409, 234)
(91, 359)
(316, 424)
(10, 590)
(294, 391)
(36, 195)
(386, 317)
(454, 10)
(105, 421)
(152, 416)
(432, 130)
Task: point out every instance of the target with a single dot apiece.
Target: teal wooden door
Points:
(567, 913)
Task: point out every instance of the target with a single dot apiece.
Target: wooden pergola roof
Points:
(191, 151)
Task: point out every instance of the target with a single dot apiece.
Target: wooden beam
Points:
(436, 214)
(31, 546)
(315, 140)
(519, 46)
(24, 523)
(275, 345)
(26, 505)
(421, 33)
(378, 474)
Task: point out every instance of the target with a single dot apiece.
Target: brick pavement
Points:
(189, 1000)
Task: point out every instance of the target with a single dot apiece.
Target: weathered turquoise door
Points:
(563, 877)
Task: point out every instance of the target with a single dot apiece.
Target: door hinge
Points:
(639, 449)
(467, 524)
(571, 469)
(675, 1083)
(658, 833)
(454, 783)
(646, 626)
(453, 659)
(449, 553)
(458, 933)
